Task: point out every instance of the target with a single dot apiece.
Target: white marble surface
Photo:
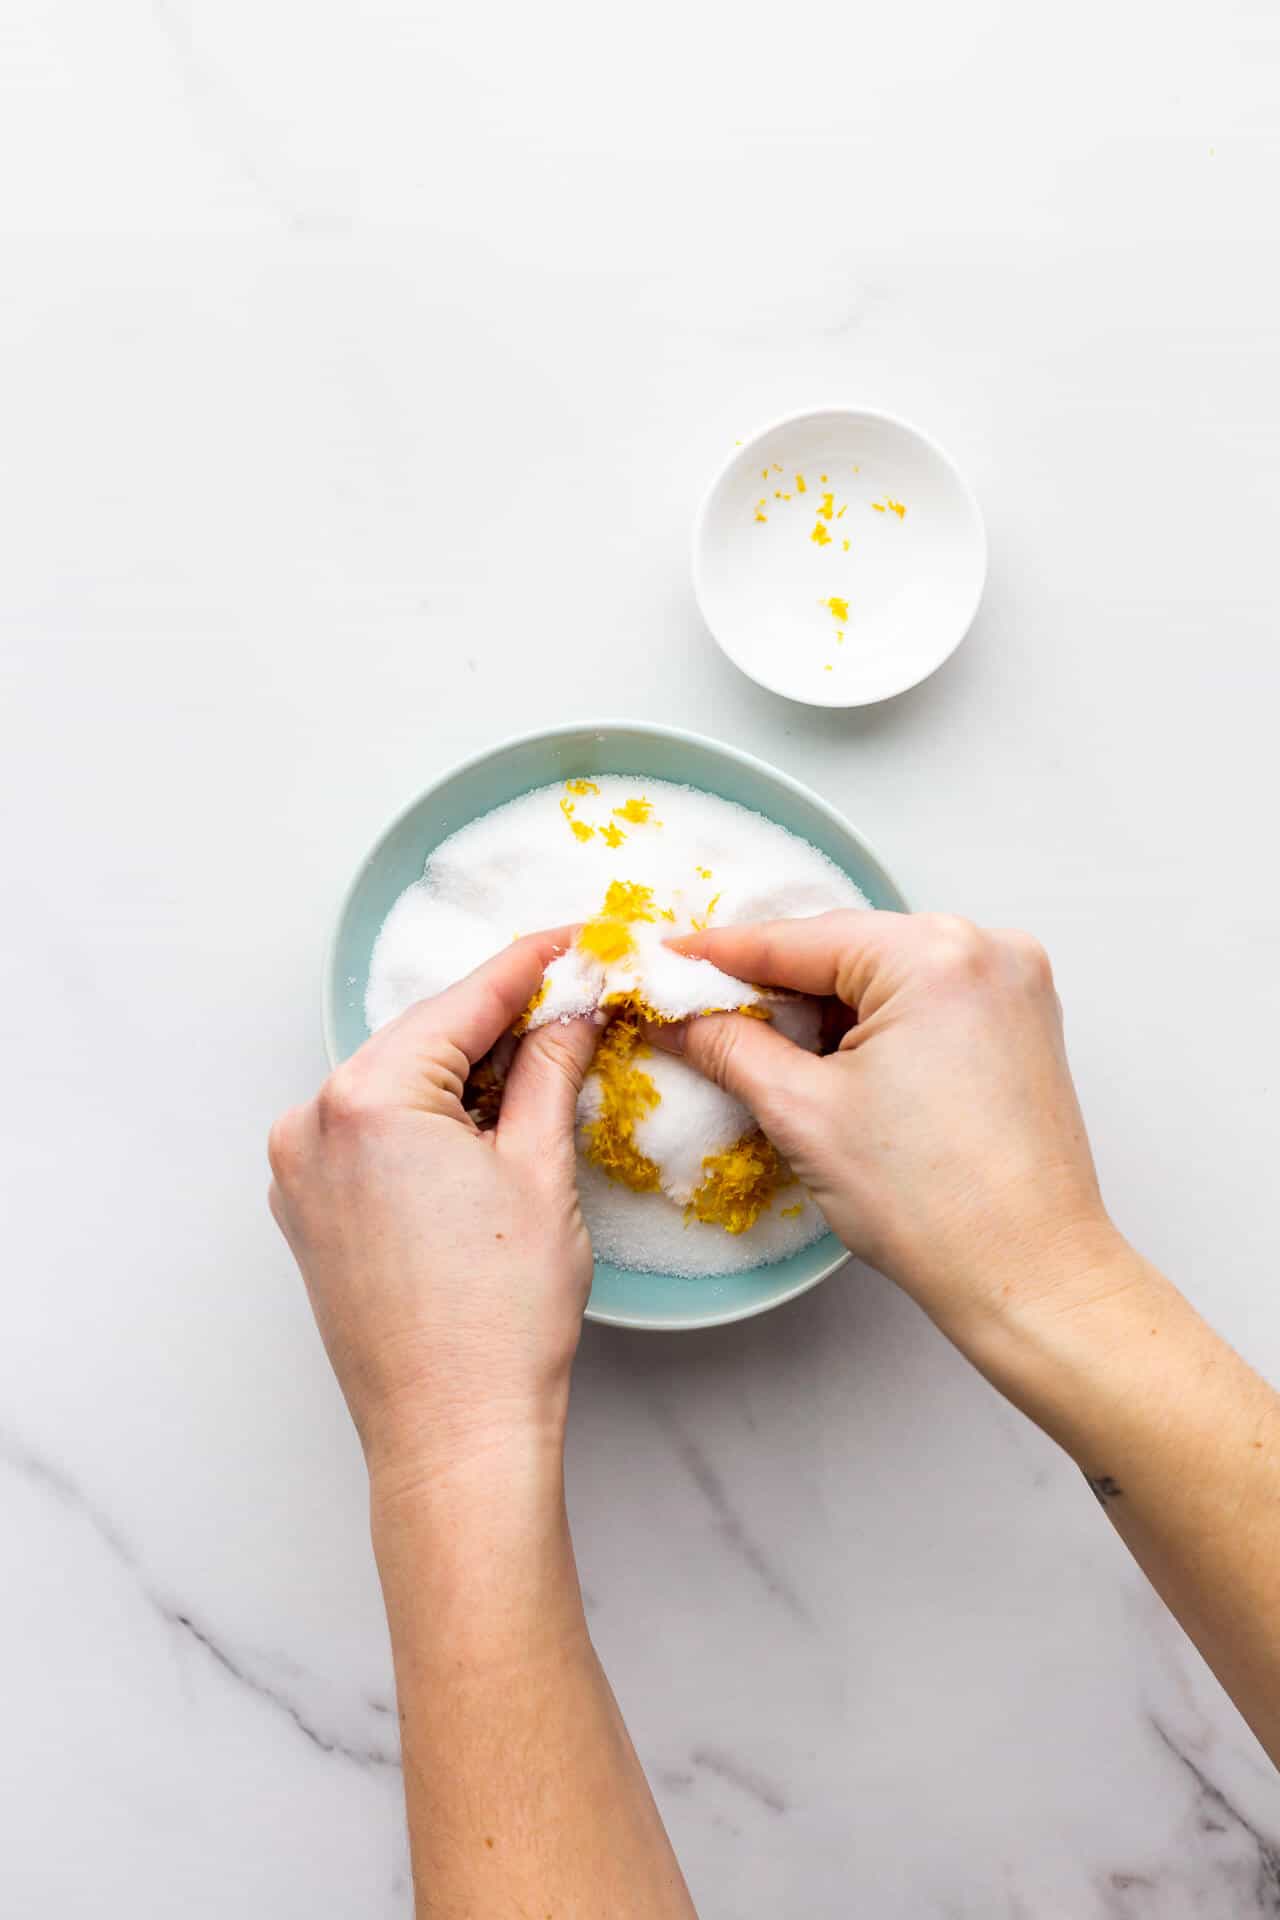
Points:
(361, 369)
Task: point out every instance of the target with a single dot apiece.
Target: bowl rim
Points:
(799, 418)
(535, 737)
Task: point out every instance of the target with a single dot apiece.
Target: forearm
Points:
(523, 1792)
(1179, 1439)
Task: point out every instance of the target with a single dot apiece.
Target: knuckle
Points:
(958, 948)
(556, 1055)
(718, 1041)
(346, 1099)
(284, 1144)
(1030, 958)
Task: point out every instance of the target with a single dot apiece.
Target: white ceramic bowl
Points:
(839, 557)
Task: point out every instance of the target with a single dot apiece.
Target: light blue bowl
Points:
(619, 1296)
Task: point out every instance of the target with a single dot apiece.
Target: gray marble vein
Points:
(219, 114)
(746, 1779)
(1217, 1814)
(730, 1524)
(53, 1480)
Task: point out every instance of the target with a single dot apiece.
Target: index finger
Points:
(484, 1005)
(825, 954)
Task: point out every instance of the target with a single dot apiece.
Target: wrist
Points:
(474, 1554)
(1058, 1337)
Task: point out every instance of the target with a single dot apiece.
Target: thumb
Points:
(541, 1094)
(748, 1058)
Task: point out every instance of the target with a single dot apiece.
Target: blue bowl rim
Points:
(535, 737)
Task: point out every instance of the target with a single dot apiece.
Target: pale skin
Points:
(448, 1270)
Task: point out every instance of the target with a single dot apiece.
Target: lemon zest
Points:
(627, 1094)
(635, 810)
(800, 485)
(828, 504)
(839, 608)
(522, 1024)
(611, 835)
(581, 831)
(581, 787)
(739, 1184)
(820, 534)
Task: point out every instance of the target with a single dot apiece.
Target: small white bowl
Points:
(834, 510)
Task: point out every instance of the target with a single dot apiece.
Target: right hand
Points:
(943, 1140)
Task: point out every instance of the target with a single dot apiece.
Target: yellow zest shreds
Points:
(879, 506)
(606, 941)
(739, 1184)
(522, 1024)
(764, 473)
(828, 668)
(820, 534)
(637, 811)
(628, 900)
(762, 516)
(606, 937)
(839, 608)
(824, 479)
(633, 1006)
(579, 828)
(667, 913)
(627, 1094)
(846, 546)
(703, 873)
(581, 787)
(840, 639)
(791, 1213)
(844, 509)
(777, 466)
(896, 506)
(713, 902)
(611, 835)
(828, 506)
(800, 485)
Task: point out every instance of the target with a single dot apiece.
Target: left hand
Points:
(447, 1268)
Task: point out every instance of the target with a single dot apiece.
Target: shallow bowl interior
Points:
(846, 512)
(619, 1295)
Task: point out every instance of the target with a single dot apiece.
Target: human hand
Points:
(447, 1268)
(943, 1140)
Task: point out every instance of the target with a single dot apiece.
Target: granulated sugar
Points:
(674, 1175)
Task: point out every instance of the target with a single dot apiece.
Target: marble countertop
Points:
(362, 370)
